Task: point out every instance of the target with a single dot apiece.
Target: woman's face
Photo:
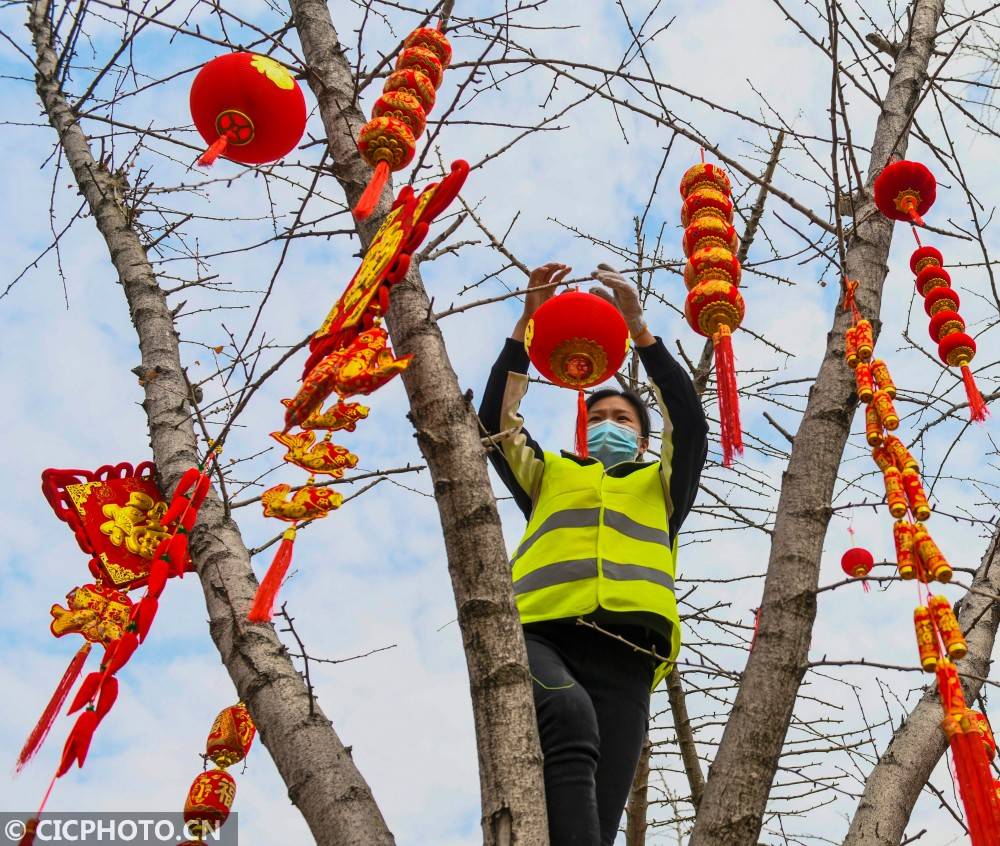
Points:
(618, 410)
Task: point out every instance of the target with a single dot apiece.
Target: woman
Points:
(600, 546)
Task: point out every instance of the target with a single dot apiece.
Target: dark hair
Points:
(633, 399)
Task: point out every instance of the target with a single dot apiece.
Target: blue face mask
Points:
(611, 443)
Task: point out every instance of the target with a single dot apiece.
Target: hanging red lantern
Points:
(925, 256)
(905, 190)
(577, 340)
(857, 562)
(714, 307)
(941, 298)
(388, 141)
(209, 800)
(248, 108)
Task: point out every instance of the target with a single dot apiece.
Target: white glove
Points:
(623, 296)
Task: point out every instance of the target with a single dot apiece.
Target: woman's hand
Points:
(623, 296)
(542, 284)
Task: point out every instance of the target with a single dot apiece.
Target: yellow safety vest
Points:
(596, 540)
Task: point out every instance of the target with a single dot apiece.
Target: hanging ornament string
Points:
(714, 307)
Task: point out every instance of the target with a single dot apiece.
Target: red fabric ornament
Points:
(431, 39)
(931, 277)
(577, 340)
(248, 108)
(905, 190)
(208, 801)
(857, 562)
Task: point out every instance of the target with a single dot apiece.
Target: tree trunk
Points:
(510, 762)
(322, 780)
(638, 799)
(893, 786)
(740, 778)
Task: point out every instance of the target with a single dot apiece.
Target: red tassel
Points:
(30, 827)
(90, 686)
(729, 398)
(581, 425)
(207, 159)
(48, 718)
(263, 602)
(146, 611)
(977, 406)
(369, 197)
(976, 786)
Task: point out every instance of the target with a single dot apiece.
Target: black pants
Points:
(592, 700)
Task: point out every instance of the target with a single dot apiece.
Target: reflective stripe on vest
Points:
(596, 540)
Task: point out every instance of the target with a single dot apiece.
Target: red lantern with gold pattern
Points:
(208, 801)
(905, 190)
(706, 202)
(577, 340)
(939, 299)
(231, 736)
(710, 232)
(248, 108)
(925, 256)
(713, 263)
(404, 107)
(945, 323)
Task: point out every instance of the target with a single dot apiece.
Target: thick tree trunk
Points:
(740, 778)
(321, 777)
(638, 799)
(510, 763)
(893, 786)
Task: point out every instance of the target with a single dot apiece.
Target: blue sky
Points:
(374, 574)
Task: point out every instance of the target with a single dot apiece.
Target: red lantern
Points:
(208, 801)
(388, 141)
(231, 736)
(857, 562)
(945, 323)
(925, 256)
(248, 108)
(710, 232)
(905, 190)
(705, 176)
(931, 277)
(939, 299)
(577, 340)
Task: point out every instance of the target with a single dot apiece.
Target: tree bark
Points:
(321, 777)
(685, 737)
(510, 762)
(638, 799)
(893, 786)
(740, 778)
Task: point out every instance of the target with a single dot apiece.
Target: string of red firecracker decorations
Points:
(388, 141)
(714, 306)
(98, 692)
(940, 641)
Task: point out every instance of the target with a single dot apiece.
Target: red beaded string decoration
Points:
(906, 190)
(714, 306)
(388, 141)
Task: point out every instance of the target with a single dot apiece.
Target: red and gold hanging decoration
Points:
(349, 356)
(577, 340)
(248, 108)
(211, 795)
(388, 141)
(939, 636)
(714, 306)
(118, 516)
(906, 190)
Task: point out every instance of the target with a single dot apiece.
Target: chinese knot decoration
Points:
(118, 516)
(248, 108)
(388, 141)
(714, 307)
(918, 558)
(349, 356)
(577, 340)
(211, 795)
(906, 190)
